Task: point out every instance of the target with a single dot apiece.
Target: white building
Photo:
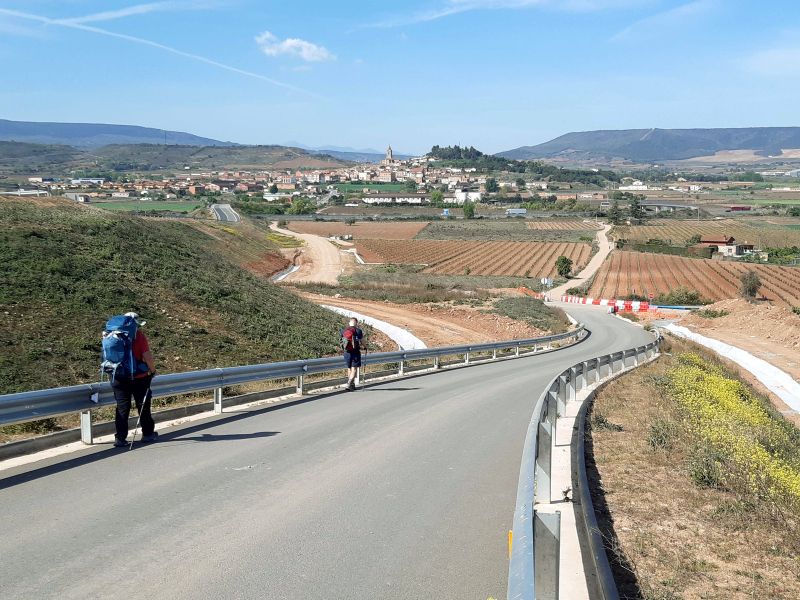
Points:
(462, 196)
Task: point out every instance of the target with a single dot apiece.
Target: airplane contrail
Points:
(152, 44)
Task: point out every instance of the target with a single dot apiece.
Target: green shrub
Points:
(710, 313)
(662, 434)
(600, 422)
(681, 296)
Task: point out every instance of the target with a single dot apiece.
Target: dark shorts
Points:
(352, 359)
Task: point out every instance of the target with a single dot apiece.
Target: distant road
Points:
(401, 490)
(604, 249)
(320, 261)
(224, 212)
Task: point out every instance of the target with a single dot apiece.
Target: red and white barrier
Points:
(622, 305)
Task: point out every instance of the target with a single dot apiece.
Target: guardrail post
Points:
(544, 462)
(562, 393)
(582, 379)
(218, 401)
(546, 554)
(301, 385)
(466, 358)
(597, 371)
(436, 362)
(494, 353)
(401, 369)
(86, 427)
(573, 385)
(516, 350)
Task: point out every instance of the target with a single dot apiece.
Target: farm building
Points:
(726, 245)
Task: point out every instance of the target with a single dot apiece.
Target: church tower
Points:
(389, 156)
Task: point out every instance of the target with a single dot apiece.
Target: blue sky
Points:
(496, 74)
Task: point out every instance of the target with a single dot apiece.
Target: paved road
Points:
(403, 490)
(224, 212)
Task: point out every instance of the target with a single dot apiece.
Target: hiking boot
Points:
(146, 439)
(118, 443)
(351, 387)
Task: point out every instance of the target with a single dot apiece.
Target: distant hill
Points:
(367, 155)
(747, 144)
(95, 135)
(23, 158)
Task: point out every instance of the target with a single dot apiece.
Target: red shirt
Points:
(140, 346)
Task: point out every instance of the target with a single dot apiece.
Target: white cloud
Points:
(775, 62)
(271, 45)
(674, 17)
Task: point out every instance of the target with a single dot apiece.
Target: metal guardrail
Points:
(40, 404)
(533, 565)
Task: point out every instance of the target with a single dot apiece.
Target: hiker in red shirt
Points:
(351, 350)
(137, 388)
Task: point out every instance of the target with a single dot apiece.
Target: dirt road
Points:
(319, 261)
(594, 265)
(437, 326)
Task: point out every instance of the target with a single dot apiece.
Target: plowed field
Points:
(445, 257)
(363, 230)
(678, 232)
(643, 273)
(573, 225)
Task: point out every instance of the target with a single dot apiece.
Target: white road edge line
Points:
(404, 338)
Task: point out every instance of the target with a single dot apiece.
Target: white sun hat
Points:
(136, 316)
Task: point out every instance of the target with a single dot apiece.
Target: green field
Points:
(132, 205)
(770, 201)
(376, 187)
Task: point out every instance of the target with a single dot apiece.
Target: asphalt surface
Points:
(401, 490)
(224, 212)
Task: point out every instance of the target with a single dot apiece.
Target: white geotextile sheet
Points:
(402, 337)
(777, 381)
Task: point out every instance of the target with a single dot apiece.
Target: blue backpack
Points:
(118, 337)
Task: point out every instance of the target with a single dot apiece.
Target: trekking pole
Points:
(147, 397)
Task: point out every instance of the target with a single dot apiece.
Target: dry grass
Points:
(674, 538)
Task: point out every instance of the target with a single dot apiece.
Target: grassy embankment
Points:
(698, 492)
(66, 268)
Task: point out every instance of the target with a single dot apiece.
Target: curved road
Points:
(401, 490)
(224, 212)
(321, 261)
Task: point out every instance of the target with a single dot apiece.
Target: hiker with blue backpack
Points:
(128, 362)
